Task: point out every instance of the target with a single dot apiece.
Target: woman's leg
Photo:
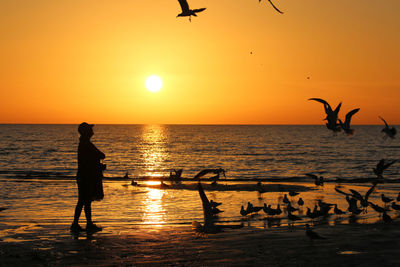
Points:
(88, 212)
(78, 210)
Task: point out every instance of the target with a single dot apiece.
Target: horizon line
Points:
(189, 124)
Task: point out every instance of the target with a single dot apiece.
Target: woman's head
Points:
(85, 129)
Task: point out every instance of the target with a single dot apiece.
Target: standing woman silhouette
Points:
(89, 178)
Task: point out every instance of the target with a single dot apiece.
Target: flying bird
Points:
(272, 4)
(346, 125)
(389, 131)
(331, 115)
(187, 12)
(355, 194)
(381, 166)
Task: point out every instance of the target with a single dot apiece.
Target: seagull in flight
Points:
(187, 12)
(381, 166)
(272, 4)
(355, 194)
(346, 125)
(389, 131)
(331, 115)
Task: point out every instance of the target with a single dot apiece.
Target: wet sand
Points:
(38, 235)
(346, 245)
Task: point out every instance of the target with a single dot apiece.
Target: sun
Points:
(153, 83)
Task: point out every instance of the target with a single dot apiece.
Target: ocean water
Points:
(38, 165)
(245, 152)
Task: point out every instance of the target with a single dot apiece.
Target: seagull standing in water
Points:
(338, 211)
(389, 131)
(346, 125)
(317, 181)
(186, 11)
(386, 218)
(272, 4)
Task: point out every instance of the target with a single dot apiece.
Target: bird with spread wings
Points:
(187, 12)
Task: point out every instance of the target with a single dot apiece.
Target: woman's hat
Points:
(84, 127)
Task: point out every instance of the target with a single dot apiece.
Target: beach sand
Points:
(346, 245)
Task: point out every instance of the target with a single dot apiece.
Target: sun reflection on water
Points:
(153, 152)
(153, 209)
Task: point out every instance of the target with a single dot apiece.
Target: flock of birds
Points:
(336, 125)
(357, 203)
(287, 206)
(322, 209)
(187, 12)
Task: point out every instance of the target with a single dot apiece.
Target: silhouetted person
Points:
(89, 178)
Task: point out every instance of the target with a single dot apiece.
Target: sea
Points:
(38, 164)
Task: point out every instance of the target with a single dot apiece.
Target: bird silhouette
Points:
(300, 202)
(338, 211)
(381, 166)
(363, 200)
(285, 199)
(290, 208)
(216, 210)
(214, 204)
(346, 125)
(273, 6)
(311, 214)
(318, 181)
(377, 208)
(292, 217)
(386, 218)
(186, 11)
(389, 131)
(207, 171)
(395, 206)
(243, 212)
(386, 199)
(331, 115)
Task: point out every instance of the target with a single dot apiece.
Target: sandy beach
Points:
(345, 245)
(38, 234)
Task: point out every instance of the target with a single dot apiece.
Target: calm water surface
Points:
(29, 153)
(247, 152)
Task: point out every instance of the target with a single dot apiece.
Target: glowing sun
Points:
(153, 83)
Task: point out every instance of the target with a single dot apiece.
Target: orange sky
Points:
(87, 60)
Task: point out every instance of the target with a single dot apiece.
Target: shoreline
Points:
(346, 245)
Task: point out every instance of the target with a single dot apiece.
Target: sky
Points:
(238, 62)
